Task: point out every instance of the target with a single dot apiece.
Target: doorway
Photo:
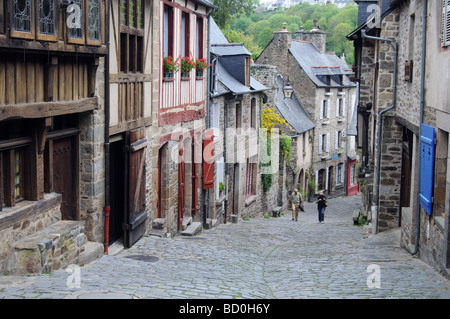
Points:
(117, 188)
(65, 176)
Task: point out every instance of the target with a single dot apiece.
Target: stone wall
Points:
(92, 164)
(25, 219)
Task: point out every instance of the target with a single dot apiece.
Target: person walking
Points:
(296, 199)
(321, 205)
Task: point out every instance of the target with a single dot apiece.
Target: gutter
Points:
(380, 121)
(422, 107)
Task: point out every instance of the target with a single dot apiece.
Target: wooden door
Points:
(65, 176)
(136, 214)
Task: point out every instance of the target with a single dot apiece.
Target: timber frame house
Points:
(49, 55)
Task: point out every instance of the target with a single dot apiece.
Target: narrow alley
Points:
(267, 258)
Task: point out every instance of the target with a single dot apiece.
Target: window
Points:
(185, 34)
(39, 20)
(93, 24)
(340, 108)
(131, 36)
(2, 17)
(12, 171)
(339, 175)
(253, 114)
(250, 178)
(324, 110)
(238, 116)
(168, 31)
(324, 143)
(446, 23)
(47, 25)
(22, 19)
(200, 46)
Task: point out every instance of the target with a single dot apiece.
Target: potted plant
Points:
(170, 67)
(186, 66)
(221, 188)
(202, 65)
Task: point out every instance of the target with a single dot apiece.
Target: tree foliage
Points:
(258, 26)
(228, 8)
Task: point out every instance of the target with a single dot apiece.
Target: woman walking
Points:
(321, 205)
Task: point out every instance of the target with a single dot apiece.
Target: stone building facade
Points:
(321, 82)
(411, 86)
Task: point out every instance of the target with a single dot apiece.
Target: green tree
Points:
(227, 8)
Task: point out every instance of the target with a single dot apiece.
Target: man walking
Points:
(296, 199)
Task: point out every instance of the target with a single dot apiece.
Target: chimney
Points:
(283, 38)
(316, 36)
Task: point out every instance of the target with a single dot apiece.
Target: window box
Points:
(340, 119)
(340, 151)
(325, 121)
(324, 156)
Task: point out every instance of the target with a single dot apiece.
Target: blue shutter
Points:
(427, 167)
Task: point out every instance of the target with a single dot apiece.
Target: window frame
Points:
(95, 42)
(46, 37)
(445, 41)
(135, 35)
(22, 34)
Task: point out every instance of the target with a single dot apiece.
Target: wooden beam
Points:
(49, 79)
(48, 109)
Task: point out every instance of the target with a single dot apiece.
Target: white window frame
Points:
(445, 23)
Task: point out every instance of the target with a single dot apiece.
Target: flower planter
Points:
(199, 73)
(168, 75)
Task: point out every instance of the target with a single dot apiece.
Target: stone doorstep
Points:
(52, 248)
(276, 212)
(192, 230)
(92, 251)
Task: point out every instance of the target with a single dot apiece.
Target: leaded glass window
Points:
(132, 13)
(21, 15)
(94, 20)
(46, 17)
(76, 28)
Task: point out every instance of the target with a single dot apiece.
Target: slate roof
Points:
(317, 64)
(221, 48)
(292, 110)
(215, 34)
(229, 84)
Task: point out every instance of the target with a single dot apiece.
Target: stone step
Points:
(50, 249)
(192, 230)
(92, 251)
(186, 222)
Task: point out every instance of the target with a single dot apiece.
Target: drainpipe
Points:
(380, 121)
(206, 213)
(422, 107)
(107, 144)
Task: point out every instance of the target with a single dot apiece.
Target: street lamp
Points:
(287, 91)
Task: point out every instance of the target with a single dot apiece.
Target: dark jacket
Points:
(321, 201)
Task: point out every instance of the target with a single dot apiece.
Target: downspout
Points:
(346, 182)
(380, 121)
(422, 107)
(206, 213)
(107, 144)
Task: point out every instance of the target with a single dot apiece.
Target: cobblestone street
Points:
(260, 258)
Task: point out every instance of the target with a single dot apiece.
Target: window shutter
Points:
(337, 138)
(326, 179)
(328, 109)
(321, 110)
(337, 108)
(446, 23)
(317, 181)
(328, 142)
(208, 159)
(343, 107)
(320, 144)
(427, 142)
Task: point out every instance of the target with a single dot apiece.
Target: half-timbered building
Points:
(178, 175)
(51, 131)
(133, 79)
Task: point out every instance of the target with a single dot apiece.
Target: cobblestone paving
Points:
(260, 258)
